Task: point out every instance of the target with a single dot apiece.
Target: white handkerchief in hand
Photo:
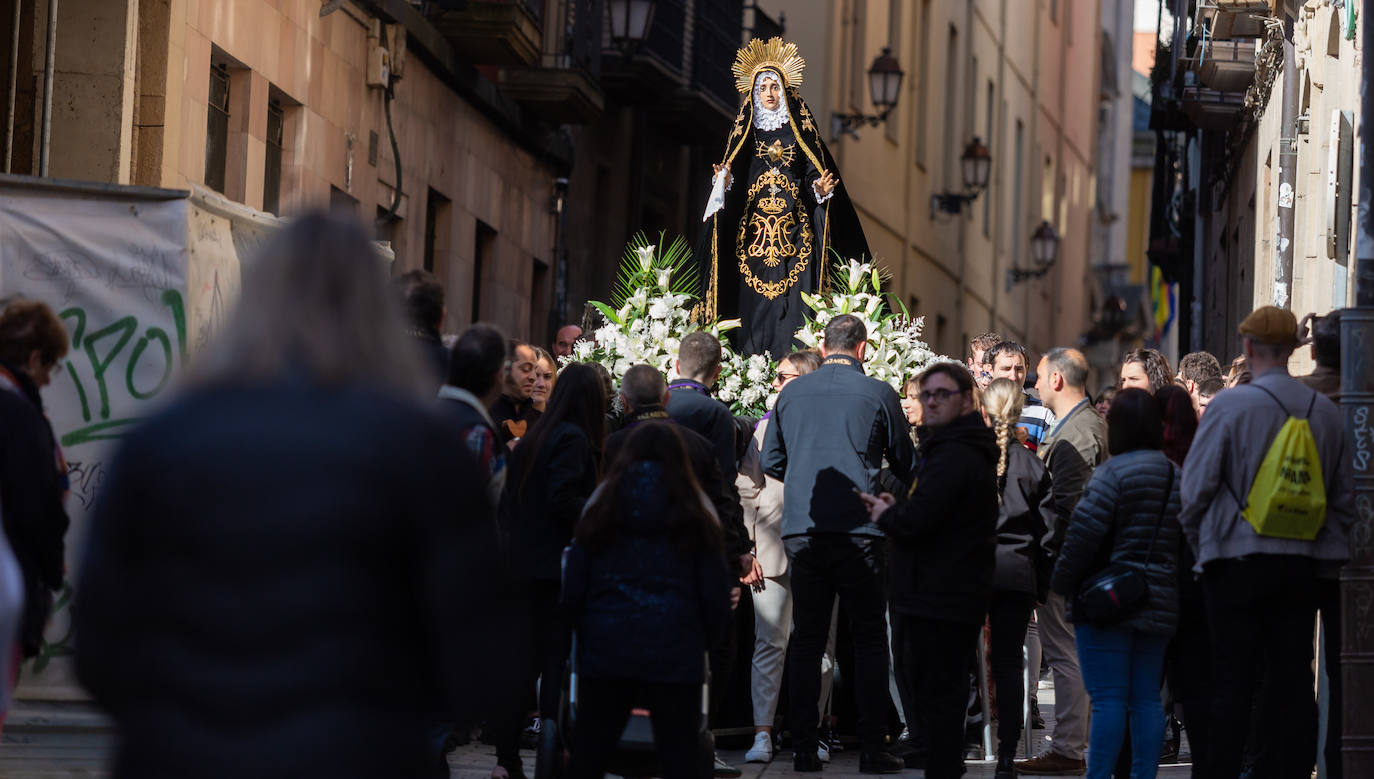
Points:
(717, 199)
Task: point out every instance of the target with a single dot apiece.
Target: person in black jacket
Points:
(514, 412)
(827, 438)
(647, 589)
(423, 296)
(552, 472)
(1128, 515)
(690, 404)
(643, 396)
(944, 542)
(286, 567)
(33, 476)
(1024, 515)
(474, 383)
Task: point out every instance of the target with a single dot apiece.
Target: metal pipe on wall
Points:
(14, 88)
(50, 51)
(1288, 172)
(1357, 406)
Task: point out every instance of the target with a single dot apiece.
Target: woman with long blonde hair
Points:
(1022, 574)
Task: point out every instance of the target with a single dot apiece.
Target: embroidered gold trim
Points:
(802, 143)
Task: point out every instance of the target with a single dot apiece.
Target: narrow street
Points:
(72, 741)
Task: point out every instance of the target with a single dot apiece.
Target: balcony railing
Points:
(565, 87)
(665, 41)
(1226, 66)
(492, 32)
(715, 41)
(573, 36)
(1234, 19)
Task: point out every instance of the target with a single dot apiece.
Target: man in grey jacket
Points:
(1073, 447)
(1261, 590)
(826, 440)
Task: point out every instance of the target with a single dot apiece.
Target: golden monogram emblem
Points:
(765, 233)
(772, 227)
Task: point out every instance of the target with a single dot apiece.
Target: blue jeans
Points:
(1122, 671)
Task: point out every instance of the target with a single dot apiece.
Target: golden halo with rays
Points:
(776, 54)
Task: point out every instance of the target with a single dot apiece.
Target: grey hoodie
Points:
(1232, 441)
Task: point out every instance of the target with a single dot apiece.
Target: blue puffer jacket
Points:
(642, 608)
(1114, 523)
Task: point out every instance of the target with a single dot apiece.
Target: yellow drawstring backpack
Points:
(1288, 497)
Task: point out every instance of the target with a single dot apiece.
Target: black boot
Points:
(1172, 741)
(880, 762)
(1006, 767)
(806, 762)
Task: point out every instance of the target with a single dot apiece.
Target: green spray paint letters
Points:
(98, 350)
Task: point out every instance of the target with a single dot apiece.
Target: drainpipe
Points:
(1192, 166)
(1357, 406)
(1032, 154)
(560, 258)
(964, 226)
(998, 145)
(50, 49)
(1288, 170)
(14, 84)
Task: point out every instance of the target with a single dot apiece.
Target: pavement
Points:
(69, 740)
(476, 761)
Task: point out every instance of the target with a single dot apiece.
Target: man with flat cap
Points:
(1266, 457)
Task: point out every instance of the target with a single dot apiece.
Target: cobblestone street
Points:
(52, 741)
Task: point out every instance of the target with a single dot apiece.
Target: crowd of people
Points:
(346, 542)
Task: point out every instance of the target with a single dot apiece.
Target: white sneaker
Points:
(823, 751)
(762, 751)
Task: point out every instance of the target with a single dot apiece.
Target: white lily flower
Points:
(646, 257)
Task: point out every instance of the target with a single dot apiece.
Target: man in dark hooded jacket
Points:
(943, 557)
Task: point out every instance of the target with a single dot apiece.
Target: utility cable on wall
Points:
(387, 95)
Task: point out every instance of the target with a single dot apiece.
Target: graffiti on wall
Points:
(115, 271)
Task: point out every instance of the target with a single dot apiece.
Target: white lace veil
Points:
(763, 118)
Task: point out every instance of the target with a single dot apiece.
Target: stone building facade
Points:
(1024, 77)
(531, 145)
(1272, 87)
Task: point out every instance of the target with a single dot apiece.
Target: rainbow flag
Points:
(1163, 302)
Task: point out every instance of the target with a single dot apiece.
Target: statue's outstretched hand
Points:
(826, 184)
(729, 178)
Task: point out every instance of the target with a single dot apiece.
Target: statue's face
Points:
(770, 94)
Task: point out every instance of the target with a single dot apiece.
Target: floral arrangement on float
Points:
(651, 309)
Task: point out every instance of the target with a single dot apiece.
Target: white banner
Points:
(113, 265)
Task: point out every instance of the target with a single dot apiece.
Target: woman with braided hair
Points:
(1025, 510)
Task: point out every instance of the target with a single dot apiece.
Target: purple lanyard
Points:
(690, 386)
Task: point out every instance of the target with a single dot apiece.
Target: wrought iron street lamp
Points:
(975, 165)
(1044, 251)
(630, 22)
(884, 89)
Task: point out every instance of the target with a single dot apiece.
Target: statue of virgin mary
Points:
(778, 212)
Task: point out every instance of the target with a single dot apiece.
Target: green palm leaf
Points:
(676, 259)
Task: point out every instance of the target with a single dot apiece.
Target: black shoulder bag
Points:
(1119, 590)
